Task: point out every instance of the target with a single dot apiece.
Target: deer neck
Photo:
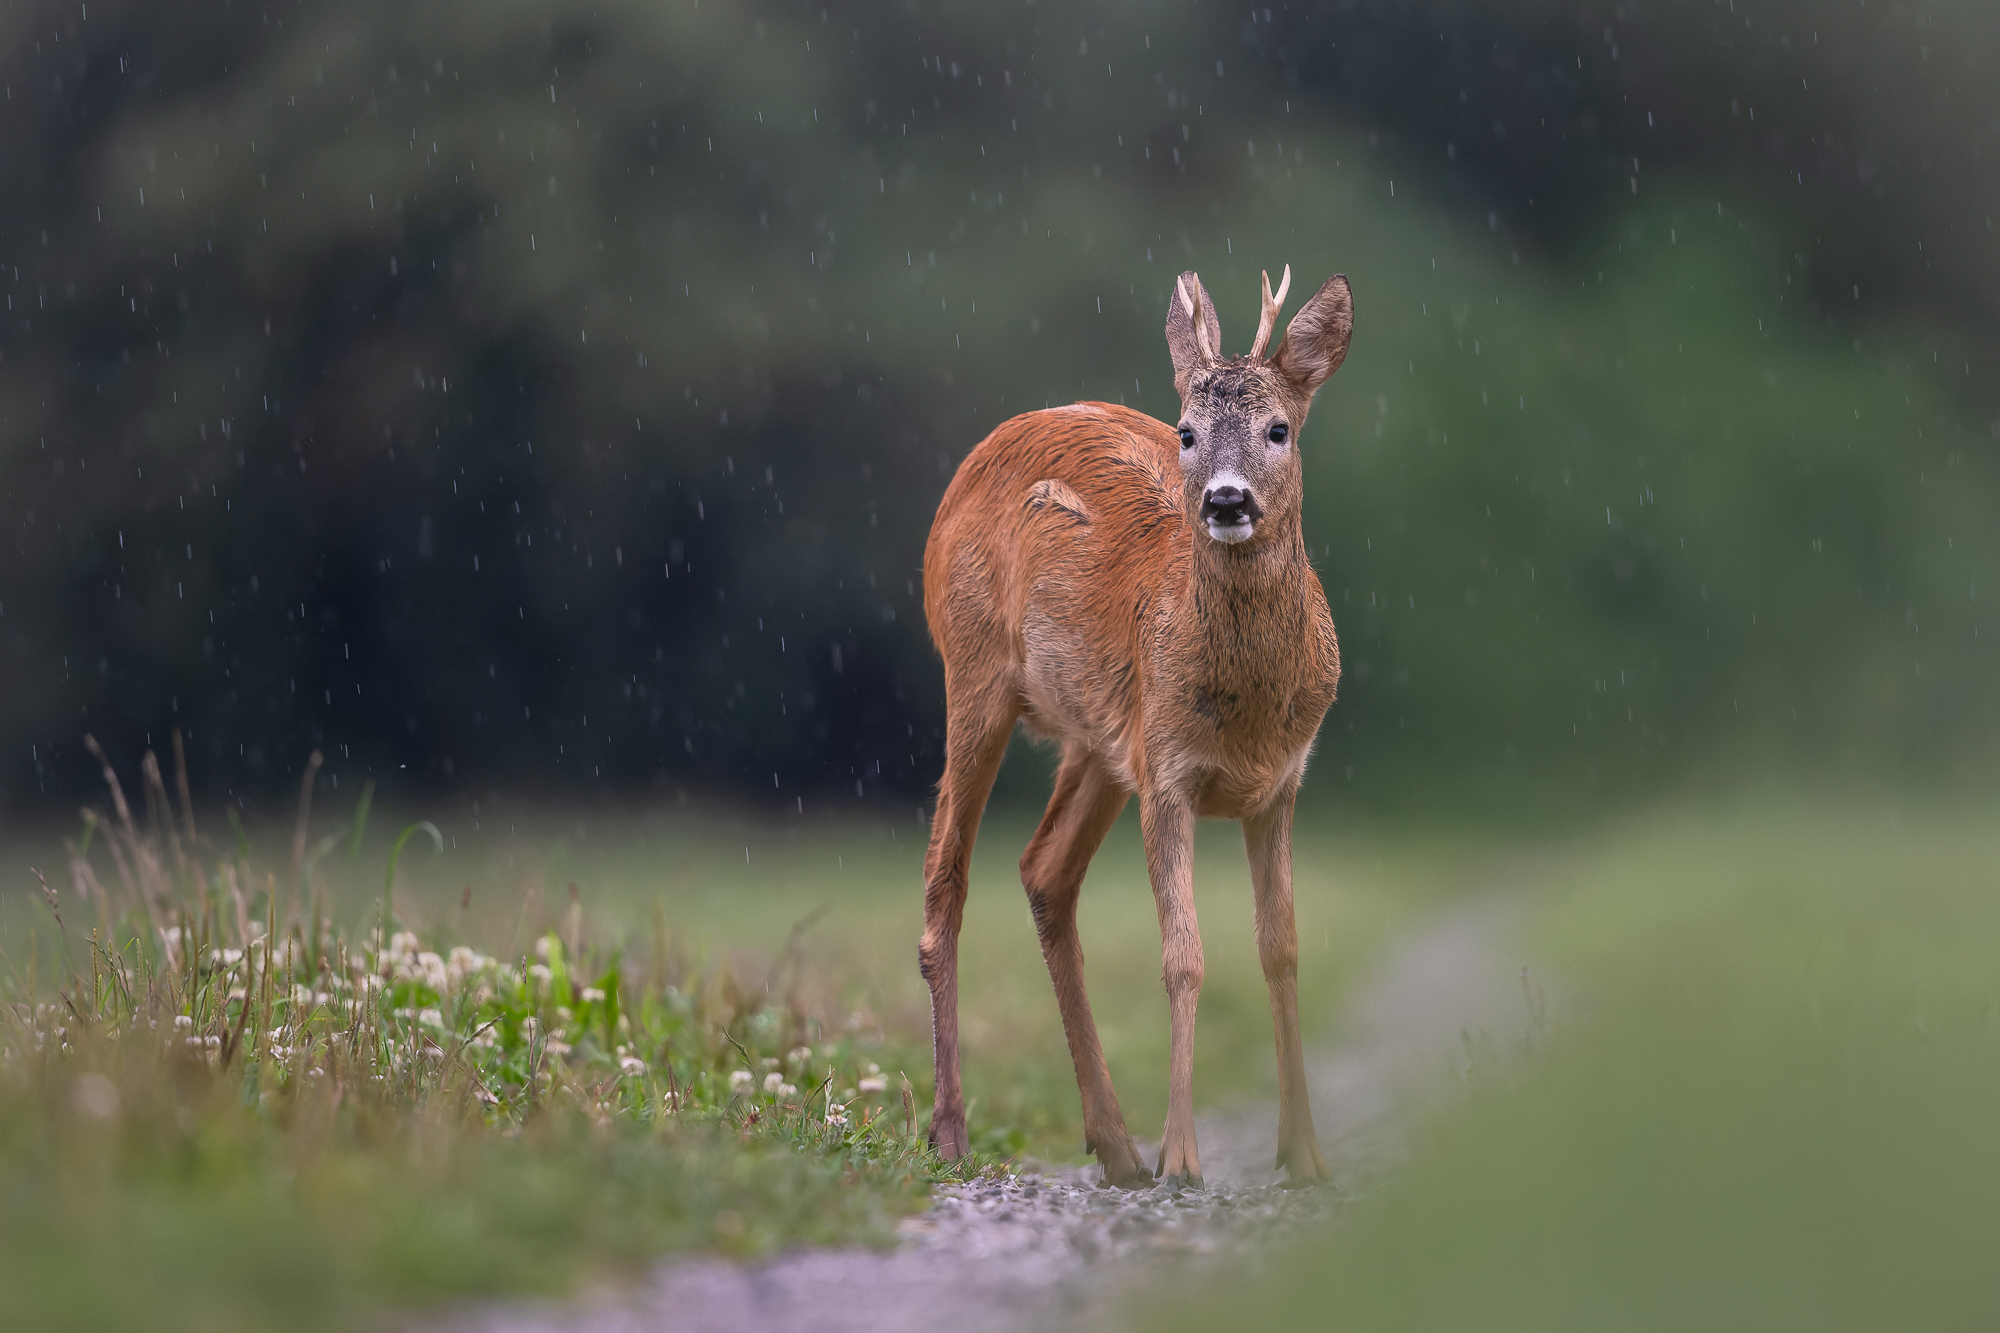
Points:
(1228, 580)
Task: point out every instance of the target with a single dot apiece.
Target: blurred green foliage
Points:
(549, 394)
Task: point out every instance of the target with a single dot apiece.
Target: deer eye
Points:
(1280, 432)
(1187, 438)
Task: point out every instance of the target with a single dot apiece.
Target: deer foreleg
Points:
(1267, 837)
(1166, 819)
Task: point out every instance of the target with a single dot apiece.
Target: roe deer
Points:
(1142, 595)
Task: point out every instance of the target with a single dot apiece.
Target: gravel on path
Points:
(1052, 1248)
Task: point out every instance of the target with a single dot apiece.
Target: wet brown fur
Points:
(1071, 585)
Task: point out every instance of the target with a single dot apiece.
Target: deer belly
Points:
(1070, 692)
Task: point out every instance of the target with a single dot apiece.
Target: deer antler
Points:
(1204, 337)
(1272, 305)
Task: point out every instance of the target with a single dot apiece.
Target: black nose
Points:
(1229, 506)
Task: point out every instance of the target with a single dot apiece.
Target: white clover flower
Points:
(557, 1047)
(787, 1090)
(769, 1062)
(632, 1064)
(592, 995)
(836, 1116)
(873, 1083)
(741, 1080)
(432, 1018)
(542, 946)
(432, 969)
(773, 1083)
(540, 974)
(874, 1068)
(183, 1020)
(463, 962)
(799, 1054)
(562, 1012)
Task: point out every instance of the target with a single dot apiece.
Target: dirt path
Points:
(1054, 1249)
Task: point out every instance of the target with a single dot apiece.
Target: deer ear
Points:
(1316, 339)
(1191, 345)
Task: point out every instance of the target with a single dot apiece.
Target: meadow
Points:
(308, 1072)
(1763, 1100)
(312, 1075)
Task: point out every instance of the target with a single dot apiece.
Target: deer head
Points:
(1240, 415)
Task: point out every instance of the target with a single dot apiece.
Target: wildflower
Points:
(632, 1064)
(539, 973)
(542, 946)
(183, 1020)
(873, 1083)
(432, 1018)
(769, 1062)
(432, 969)
(773, 1083)
(787, 1090)
(836, 1116)
(464, 962)
(557, 1047)
(874, 1068)
(741, 1080)
(799, 1054)
(592, 995)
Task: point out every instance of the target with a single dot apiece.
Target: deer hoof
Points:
(1303, 1165)
(1123, 1167)
(1179, 1167)
(949, 1138)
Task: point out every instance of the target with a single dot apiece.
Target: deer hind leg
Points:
(1166, 819)
(976, 731)
(1268, 839)
(1085, 805)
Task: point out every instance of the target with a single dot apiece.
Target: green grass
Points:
(234, 1100)
(1770, 1106)
(533, 1078)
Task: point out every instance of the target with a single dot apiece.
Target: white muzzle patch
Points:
(1232, 533)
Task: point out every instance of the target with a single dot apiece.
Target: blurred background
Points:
(554, 398)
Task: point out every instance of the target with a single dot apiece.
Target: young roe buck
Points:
(1142, 595)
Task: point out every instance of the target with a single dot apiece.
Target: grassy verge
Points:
(247, 1080)
(222, 1105)
(1771, 1108)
